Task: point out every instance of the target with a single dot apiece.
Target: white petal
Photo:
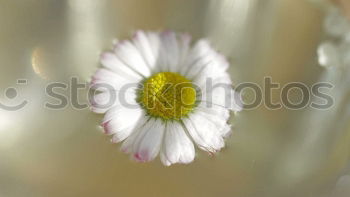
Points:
(236, 102)
(196, 56)
(206, 135)
(184, 46)
(158, 51)
(121, 126)
(121, 113)
(171, 50)
(127, 146)
(106, 100)
(155, 43)
(222, 95)
(104, 77)
(177, 147)
(102, 102)
(210, 77)
(145, 143)
(110, 61)
(130, 56)
(214, 110)
(143, 44)
(217, 116)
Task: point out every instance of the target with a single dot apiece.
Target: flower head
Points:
(168, 95)
(172, 103)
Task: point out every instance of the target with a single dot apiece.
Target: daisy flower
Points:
(181, 96)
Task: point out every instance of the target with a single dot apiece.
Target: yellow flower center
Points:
(168, 95)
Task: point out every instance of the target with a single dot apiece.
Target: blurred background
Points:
(272, 153)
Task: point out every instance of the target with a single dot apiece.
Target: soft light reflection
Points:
(83, 6)
(38, 63)
(4, 121)
(8, 130)
(84, 24)
(229, 18)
